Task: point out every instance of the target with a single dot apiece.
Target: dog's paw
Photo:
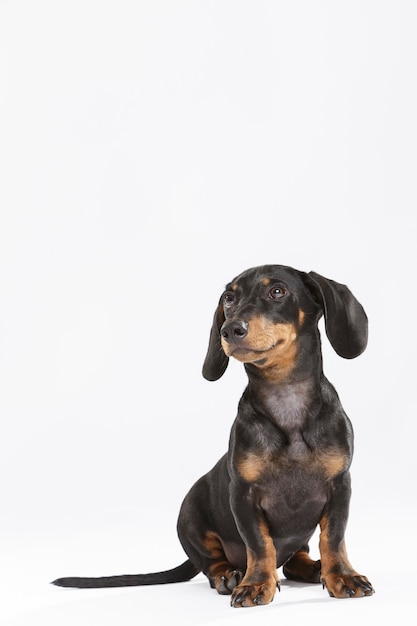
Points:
(225, 583)
(305, 570)
(347, 586)
(254, 594)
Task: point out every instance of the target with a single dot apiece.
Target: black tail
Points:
(179, 574)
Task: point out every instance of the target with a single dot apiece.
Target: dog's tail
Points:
(179, 574)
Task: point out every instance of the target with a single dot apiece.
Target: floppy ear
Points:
(216, 361)
(345, 320)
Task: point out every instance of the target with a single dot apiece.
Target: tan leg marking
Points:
(337, 574)
(261, 579)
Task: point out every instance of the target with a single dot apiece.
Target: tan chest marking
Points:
(251, 466)
(330, 463)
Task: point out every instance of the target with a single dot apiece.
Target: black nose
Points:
(234, 330)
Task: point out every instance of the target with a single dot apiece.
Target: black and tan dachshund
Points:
(287, 467)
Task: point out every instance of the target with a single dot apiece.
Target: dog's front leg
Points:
(337, 574)
(261, 579)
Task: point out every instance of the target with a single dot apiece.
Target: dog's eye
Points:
(228, 299)
(276, 293)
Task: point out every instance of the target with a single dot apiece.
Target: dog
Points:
(287, 466)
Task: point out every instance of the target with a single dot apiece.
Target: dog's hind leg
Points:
(222, 575)
(302, 568)
(207, 552)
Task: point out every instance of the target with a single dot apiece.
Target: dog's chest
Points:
(289, 406)
(287, 447)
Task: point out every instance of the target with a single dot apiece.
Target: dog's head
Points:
(264, 312)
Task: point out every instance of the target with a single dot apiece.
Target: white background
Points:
(150, 151)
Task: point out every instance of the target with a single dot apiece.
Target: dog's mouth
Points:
(264, 344)
(247, 354)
